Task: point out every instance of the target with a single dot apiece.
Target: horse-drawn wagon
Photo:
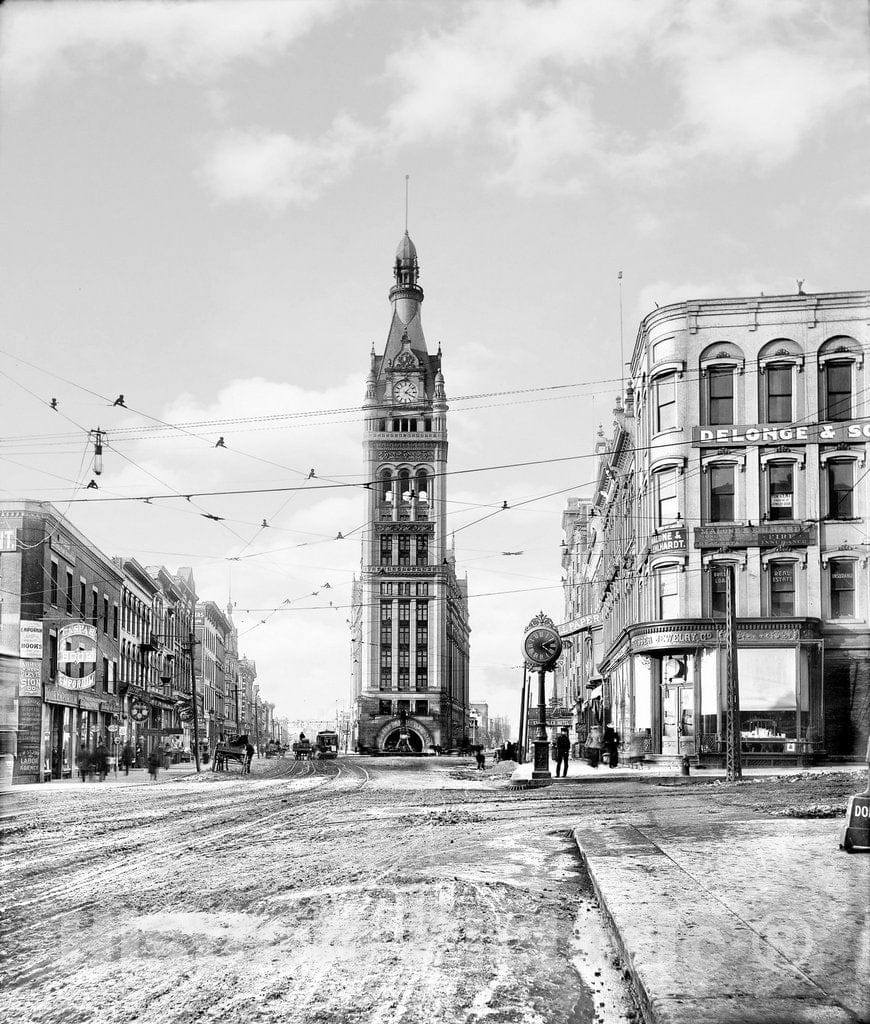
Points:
(231, 750)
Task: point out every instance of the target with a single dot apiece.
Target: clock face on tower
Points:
(404, 391)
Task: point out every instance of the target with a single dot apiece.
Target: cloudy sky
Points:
(200, 206)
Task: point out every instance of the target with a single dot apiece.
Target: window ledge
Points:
(663, 433)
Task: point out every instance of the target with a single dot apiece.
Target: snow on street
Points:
(352, 890)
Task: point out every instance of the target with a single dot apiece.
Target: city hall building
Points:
(409, 626)
(740, 442)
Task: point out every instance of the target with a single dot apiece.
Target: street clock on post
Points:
(542, 646)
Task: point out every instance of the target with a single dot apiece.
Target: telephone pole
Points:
(733, 765)
(190, 645)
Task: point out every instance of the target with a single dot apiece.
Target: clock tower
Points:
(409, 631)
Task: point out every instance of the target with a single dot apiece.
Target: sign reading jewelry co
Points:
(761, 433)
(82, 638)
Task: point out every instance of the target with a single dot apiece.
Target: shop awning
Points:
(594, 693)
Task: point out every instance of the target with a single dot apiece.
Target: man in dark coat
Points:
(563, 749)
(610, 743)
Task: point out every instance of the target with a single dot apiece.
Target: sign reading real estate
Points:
(765, 433)
(82, 640)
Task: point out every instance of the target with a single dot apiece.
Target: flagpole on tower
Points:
(407, 179)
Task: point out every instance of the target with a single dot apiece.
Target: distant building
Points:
(480, 715)
(741, 442)
(409, 624)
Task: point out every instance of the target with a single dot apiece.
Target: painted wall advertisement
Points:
(81, 638)
(31, 638)
(30, 679)
(10, 603)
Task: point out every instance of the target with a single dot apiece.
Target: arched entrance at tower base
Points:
(419, 736)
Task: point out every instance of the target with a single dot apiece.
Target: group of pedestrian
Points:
(506, 752)
(94, 763)
(604, 741)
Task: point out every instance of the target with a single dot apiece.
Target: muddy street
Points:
(348, 890)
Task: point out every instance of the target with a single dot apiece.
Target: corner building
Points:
(409, 628)
(741, 442)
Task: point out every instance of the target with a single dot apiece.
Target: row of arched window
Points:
(405, 484)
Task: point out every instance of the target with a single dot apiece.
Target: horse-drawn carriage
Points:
(231, 750)
(303, 750)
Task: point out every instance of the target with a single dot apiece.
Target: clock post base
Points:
(541, 769)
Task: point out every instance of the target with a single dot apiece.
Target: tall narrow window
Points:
(780, 483)
(781, 588)
(666, 496)
(840, 489)
(422, 550)
(422, 485)
(838, 390)
(666, 402)
(842, 574)
(105, 615)
(721, 494)
(95, 607)
(52, 593)
(69, 592)
(718, 590)
(404, 484)
(720, 395)
(386, 549)
(83, 599)
(386, 485)
(779, 401)
(668, 592)
(404, 549)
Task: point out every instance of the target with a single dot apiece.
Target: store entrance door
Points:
(678, 719)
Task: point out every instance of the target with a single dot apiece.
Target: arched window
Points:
(386, 485)
(404, 484)
(422, 485)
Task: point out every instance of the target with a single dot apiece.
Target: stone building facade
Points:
(409, 625)
(741, 441)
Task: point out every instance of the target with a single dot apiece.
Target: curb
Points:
(616, 937)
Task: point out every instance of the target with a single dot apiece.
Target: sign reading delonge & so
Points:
(781, 433)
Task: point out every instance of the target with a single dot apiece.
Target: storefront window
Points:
(781, 588)
(842, 576)
(768, 698)
(780, 482)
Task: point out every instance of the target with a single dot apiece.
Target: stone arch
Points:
(412, 725)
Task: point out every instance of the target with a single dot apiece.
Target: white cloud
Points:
(277, 169)
(199, 39)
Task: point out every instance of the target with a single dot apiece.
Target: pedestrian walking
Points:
(249, 756)
(480, 757)
(128, 756)
(84, 763)
(154, 764)
(593, 746)
(101, 761)
(610, 743)
(563, 749)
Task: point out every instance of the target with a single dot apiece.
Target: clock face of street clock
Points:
(542, 646)
(405, 391)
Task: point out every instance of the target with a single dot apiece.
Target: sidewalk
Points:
(137, 777)
(579, 771)
(738, 921)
